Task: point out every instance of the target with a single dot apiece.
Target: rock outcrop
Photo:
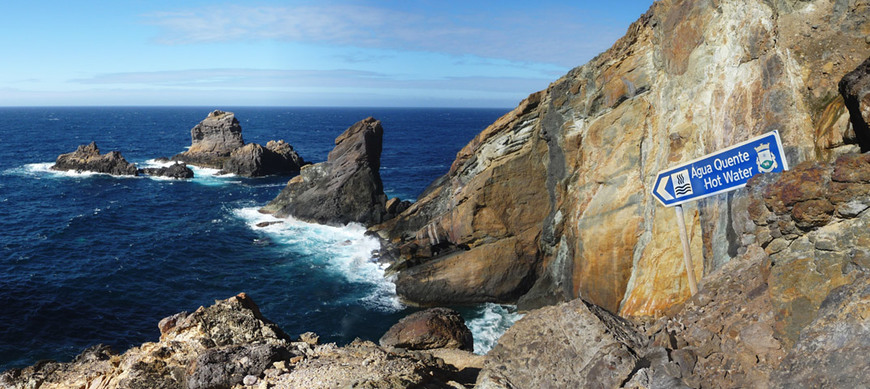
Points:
(88, 158)
(228, 345)
(430, 329)
(552, 201)
(216, 142)
(790, 311)
(213, 140)
(176, 170)
(253, 160)
(346, 188)
(570, 345)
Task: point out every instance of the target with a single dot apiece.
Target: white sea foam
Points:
(345, 250)
(37, 169)
(201, 175)
(490, 323)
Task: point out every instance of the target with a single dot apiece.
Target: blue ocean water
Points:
(89, 258)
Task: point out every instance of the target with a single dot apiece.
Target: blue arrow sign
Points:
(722, 171)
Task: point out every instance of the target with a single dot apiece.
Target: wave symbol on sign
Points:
(682, 183)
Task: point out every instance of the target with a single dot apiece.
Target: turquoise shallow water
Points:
(87, 259)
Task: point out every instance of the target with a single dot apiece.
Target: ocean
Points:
(90, 258)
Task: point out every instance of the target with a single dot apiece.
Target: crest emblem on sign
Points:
(766, 160)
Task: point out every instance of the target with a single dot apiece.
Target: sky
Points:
(391, 53)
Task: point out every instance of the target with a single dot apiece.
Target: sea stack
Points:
(346, 188)
(213, 140)
(216, 142)
(88, 158)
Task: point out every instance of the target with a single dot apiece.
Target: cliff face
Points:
(552, 201)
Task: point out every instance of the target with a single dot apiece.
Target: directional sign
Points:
(722, 171)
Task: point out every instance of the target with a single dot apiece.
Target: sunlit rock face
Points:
(552, 201)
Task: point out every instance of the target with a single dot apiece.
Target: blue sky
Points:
(298, 53)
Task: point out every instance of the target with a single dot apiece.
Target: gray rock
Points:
(213, 140)
(831, 350)
(346, 188)
(224, 367)
(253, 160)
(176, 170)
(88, 158)
(570, 345)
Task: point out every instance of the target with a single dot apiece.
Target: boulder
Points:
(433, 328)
(88, 158)
(176, 170)
(213, 140)
(346, 188)
(253, 160)
(570, 345)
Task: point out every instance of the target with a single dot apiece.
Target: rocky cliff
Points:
(552, 201)
(791, 311)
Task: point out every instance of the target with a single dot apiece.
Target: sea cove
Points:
(91, 259)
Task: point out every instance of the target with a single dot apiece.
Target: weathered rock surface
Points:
(253, 160)
(788, 311)
(855, 88)
(346, 188)
(88, 158)
(553, 198)
(570, 345)
(430, 329)
(176, 170)
(230, 344)
(830, 352)
(213, 140)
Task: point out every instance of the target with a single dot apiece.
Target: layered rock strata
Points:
(88, 158)
(552, 201)
(345, 188)
(216, 142)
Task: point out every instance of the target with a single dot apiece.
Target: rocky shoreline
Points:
(549, 207)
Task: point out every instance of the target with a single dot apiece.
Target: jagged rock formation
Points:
(213, 140)
(253, 160)
(230, 344)
(88, 158)
(430, 329)
(216, 142)
(346, 188)
(176, 170)
(552, 201)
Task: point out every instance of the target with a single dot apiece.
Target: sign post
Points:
(720, 172)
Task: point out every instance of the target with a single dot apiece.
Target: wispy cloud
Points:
(285, 79)
(549, 35)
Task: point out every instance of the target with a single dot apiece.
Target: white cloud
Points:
(276, 79)
(554, 36)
